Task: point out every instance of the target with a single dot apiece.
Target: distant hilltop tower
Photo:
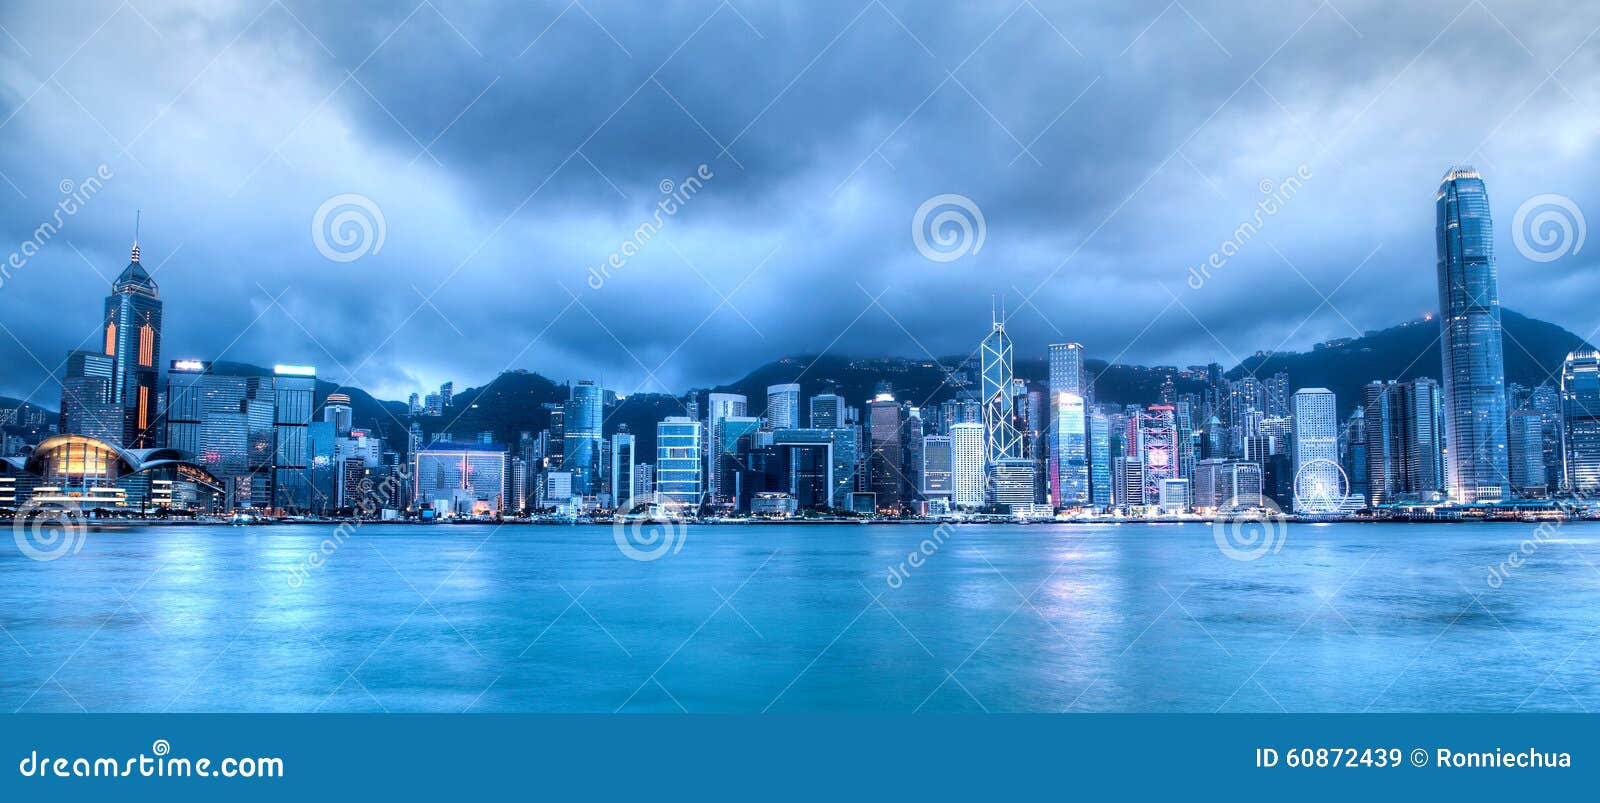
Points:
(133, 342)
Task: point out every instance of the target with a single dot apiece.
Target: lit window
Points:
(147, 345)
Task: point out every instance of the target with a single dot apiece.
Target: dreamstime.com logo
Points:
(1548, 227)
(373, 499)
(75, 196)
(45, 534)
(156, 764)
(348, 227)
(1275, 196)
(948, 227)
(675, 196)
(1252, 534)
(644, 537)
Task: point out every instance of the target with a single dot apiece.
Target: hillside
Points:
(514, 401)
(1534, 351)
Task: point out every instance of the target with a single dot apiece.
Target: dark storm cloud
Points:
(513, 150)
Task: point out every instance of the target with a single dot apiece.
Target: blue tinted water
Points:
(788, 618)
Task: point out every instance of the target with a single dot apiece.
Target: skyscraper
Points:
(678, 463)
(1069, 454)
(886, 466)
(133, 342)
(1470, 340)
(1546, 400)
(936, 467)
(1525, 442)
(86, 406)
(1156, 438)
(1001, 439)
(292, 389)
(1580, 423)
(1319, 484)
(580, 451)
(1067, 374)
(336, 410)
(966, 464)
(1403, 445)
(1098, 444)
(783, 406)
(718, 407)
(624, 467)
(827, 411)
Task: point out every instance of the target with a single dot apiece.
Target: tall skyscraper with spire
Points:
(1001, 439)
(133, 342)
(1470, 341)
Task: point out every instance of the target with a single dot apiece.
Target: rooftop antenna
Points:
(136, 215)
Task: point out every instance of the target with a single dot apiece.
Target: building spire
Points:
(136, 215)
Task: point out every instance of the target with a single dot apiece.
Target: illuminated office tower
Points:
(336, 411)
(1099, 453)
(937, 468)
(678, 464)
(186, 405)
(783, 406)
(1014, 482)
(293, 387)
(1525, 442)
(1067, 373)
(886, 465)
(1001, 439)
(730, 451)
(465, 478)
(1546, 400)
(1069, 452)
(967, 464)
(581, 437)
(718, 407)
(827, 411)
(86, 406)
(1157, 448)
(1470, 340)
(624, 468)
(133, 342)
(1319, 485)
(1580, 423)
(1403, 445)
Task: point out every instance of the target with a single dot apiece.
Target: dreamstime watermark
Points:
(948, 227)
(1548, 227)
(158, 763)
(347, 227)
(675, 196)
(46, 533)
(643, 535)
(1499, 574)
(75, 196)
(374, 497)
(901, 572)
(1253, 533)
(1278, 194)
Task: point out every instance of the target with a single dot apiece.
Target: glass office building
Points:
(585, 410)
(1470, 341)
(678, 464)
(1580, 423)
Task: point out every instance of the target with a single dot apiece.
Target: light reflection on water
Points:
(1041, 618)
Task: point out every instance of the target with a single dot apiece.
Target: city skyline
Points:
(1099, 204)
(218, 441)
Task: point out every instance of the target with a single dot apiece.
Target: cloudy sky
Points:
(512, 148)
